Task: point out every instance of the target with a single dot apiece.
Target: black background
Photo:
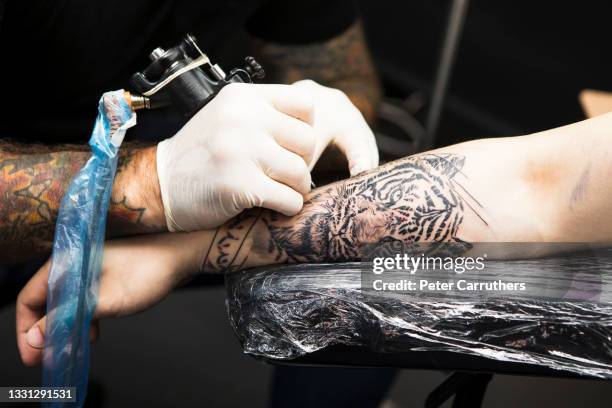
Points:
(520, 67)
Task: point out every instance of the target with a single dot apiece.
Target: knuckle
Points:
(310, 138)
(306, 82)
(304, 95)
(297, 166)
(309, 101)
(222, 152)
(339, 95)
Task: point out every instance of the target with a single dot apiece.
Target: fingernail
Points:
(35, 338)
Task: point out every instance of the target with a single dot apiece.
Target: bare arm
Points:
(33, 179)
(547, 187)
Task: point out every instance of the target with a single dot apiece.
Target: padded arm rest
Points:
(320, 314)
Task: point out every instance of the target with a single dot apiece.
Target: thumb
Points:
(31, 343)
(30, 308)
(360, 151)
(35, 336)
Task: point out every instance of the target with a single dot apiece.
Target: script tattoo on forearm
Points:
(342, 62)
(418, 199)
(224, 251)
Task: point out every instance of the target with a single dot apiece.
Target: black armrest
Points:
(318, 314)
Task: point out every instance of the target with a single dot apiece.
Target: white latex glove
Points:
(249, 147)
(338, 121)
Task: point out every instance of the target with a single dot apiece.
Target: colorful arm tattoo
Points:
(33, 180)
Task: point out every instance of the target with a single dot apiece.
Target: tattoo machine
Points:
(184, 77)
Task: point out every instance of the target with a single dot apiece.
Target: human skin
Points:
(33, 178)
(551, 186)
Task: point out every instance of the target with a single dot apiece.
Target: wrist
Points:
(146, 178)
(136, 205)
(243, 242)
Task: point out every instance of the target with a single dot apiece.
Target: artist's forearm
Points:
(31, 187)
(136, 205)
(33, 180)
(342, 62)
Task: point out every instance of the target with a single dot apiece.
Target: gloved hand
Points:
(338, 121)
(249, 147)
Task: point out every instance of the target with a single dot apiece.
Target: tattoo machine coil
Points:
(184, 77)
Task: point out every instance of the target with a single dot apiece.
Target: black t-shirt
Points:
(59, 56)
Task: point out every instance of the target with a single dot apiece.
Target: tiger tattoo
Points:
(416, 200)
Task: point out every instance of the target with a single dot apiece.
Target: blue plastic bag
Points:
(77, 252)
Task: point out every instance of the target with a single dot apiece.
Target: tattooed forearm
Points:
(136, 205)
(31, 188)
(342, 62)
(228, 242)
(33, 180)
(418, 199)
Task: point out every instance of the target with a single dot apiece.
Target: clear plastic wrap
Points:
(77, 251)
(562, 321)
